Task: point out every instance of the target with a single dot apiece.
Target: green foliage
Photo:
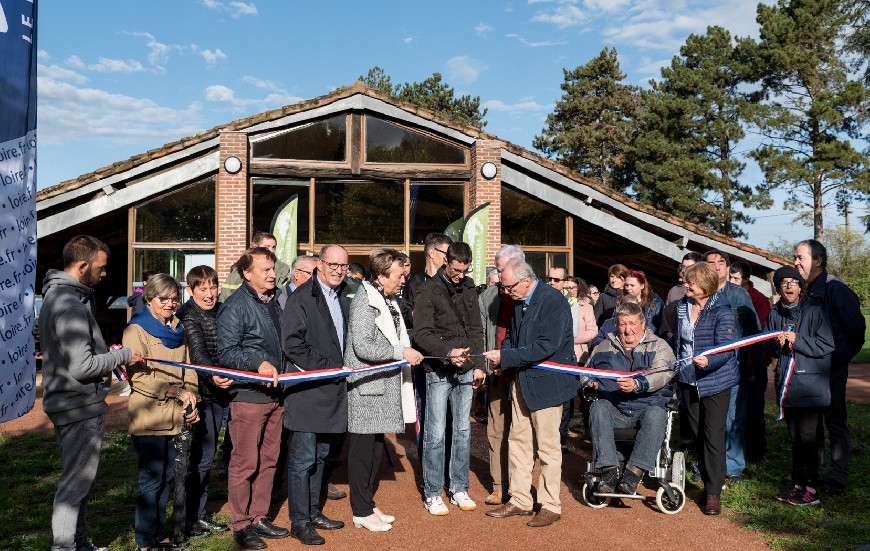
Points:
(849, 260)
(812, 105)
(432, 94)
(686, 161)
(594, 125)
(858, 41)
(782, 247)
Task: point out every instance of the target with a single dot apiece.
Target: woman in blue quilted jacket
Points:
(704, 320)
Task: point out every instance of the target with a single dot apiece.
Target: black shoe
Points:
(734, 478)
(269, 531)
(172, 544)
(211, 525)
(247, 538)
(609, 479)
(224, 471)
(628, 483)
(331, 492)
(833, 489)
(306, 534)
(196, 532)
(88, 545)
(322, 523)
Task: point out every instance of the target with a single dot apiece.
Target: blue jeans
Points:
(156, 459)
(735, 427)
(650, 423)
(305, 463)
(442, 388)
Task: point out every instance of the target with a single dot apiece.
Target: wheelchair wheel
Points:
(594, 501)
(667, 506)
(678, 471)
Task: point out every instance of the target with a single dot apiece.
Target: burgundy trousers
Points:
(256, 433)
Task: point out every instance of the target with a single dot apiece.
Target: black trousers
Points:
(707, 417)
(834, 417)
(756, 426)
(567, 414)
(802, 424)
(363, 462)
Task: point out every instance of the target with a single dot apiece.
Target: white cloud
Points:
(464, 69)
(43, 55)
(211, 57)
(509, 7)
(482, 29)
(68, 113)
(159, 52)
(651, 67)
(59, 73)
(107, 65)
(606, 5)
(536, 44)
(563, 16)
(408, 40)
(74, 62)
(259, 83)
(523, 106)
(235, 9)
(218, 93)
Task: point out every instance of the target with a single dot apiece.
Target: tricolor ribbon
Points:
(786, 378)
(732, 345)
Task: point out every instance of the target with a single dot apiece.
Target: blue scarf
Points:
(169, 337)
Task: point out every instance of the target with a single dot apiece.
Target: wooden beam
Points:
(355, 142)
(387, 172)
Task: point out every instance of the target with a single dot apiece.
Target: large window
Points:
(543, 231)
(433, 207)
(359, 212)
(324, 140)
(187, 215)
(270, 195)
(390, 143)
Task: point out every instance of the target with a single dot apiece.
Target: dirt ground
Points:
(633, 524)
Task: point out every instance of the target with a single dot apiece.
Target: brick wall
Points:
(232, 204)
(481, 190)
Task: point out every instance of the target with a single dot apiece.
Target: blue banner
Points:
(17, 207)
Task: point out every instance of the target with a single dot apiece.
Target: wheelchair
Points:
(669, 473)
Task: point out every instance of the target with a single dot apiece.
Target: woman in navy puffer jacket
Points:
(704, 320)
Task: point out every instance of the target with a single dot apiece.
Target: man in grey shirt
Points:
(76, 375)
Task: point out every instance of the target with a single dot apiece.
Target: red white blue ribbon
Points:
(786, 378)
(734, 345)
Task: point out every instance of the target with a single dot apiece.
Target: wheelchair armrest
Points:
(590, 394)
(673, 405)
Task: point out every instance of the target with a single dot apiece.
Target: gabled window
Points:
(324, 140)
(390, 143)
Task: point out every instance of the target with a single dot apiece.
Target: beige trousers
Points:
(528, 428)
(497, 428)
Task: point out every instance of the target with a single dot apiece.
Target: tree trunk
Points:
(818, 211)
(728, 221)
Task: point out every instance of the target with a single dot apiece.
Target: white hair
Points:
(521, 270)
(510, 252)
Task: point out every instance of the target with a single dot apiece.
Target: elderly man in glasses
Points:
(314, 327)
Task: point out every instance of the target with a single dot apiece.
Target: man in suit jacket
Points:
(541, 330)
(314, 327)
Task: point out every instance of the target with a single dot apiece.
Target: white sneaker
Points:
(435, 505)
(462, 500)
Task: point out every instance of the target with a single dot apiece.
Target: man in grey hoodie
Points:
(76, 375)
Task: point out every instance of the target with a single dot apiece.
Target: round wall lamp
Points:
(233, 165)
(488, 170)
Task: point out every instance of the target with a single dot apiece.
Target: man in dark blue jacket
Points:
(541, 331)
(630, 402)
(841, 306)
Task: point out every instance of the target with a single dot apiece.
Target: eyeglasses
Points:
(455, 271)
(594, 293)
(440, 251)
(570, 288)
(510, 288)
(164, 300)
(303, 271)
(790, 283)
(336, 267)
(555, 279)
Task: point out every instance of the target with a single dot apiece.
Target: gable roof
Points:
(102, 178)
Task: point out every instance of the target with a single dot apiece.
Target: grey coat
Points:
(374, 400)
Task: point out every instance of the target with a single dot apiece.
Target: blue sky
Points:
(120, 78)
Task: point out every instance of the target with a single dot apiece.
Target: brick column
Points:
(232, 204)
(481, 190)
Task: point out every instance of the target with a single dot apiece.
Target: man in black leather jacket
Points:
(248, 337)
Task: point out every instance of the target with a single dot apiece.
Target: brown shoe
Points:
(495, 498)
(712, 507)
(543, 518)
(508, 510)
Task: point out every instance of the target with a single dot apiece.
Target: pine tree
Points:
(814, 107)
(686, 161)
(432, 94)
(593, 126)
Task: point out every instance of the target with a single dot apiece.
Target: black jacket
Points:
(606, 304)
(438, 330)
(310, 343)
(406, 303)
(841, 305)
(544, 333)
(246, 337)
(813, 346)
(200, 328)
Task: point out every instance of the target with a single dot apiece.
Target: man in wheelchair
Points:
(637, 402)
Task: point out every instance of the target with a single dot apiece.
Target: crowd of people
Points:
(445, 339)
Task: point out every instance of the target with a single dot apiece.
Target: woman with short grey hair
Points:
(381, 401)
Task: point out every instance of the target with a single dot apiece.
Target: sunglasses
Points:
(164, 300)
(555, 279)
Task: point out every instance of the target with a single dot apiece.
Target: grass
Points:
(863, 357)
(840, 522)
(31, 466)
